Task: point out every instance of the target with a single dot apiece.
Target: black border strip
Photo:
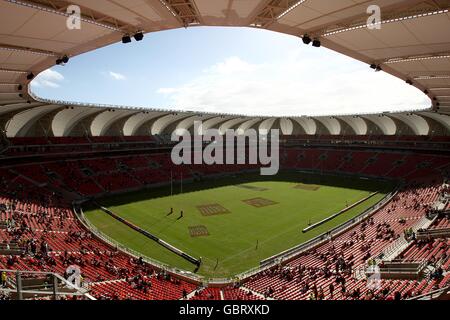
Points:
(149, 235)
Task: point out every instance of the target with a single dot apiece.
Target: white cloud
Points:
(167, 90)
(231, 66)
(296, 84)
(117, 76)
(49, 79)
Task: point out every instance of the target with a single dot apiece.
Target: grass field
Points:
(271, 212)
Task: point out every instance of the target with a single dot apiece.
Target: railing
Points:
(408, 267)
(401, 242)
(360, 272)
(432, 294)
(392, 248)
(53, 287)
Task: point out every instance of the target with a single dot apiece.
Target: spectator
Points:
(4, 279)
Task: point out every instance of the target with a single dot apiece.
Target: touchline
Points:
(220, 148)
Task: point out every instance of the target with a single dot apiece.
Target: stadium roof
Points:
(412, 44)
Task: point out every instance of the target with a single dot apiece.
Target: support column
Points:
(55, 287)
(19, 286)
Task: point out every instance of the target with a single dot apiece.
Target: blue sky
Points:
(229, 70)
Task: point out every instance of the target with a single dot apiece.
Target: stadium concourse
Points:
(55, 154)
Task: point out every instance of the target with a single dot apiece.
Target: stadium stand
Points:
(326, 272)
(54, 154)
(43, 233)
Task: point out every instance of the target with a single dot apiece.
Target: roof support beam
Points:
(87, 15)
(412, 10)
(275, 10)
(444, 75)
(185, 11)
(408, 58)
(13, 71)
(4, 47)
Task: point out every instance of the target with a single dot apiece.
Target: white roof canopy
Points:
(413, 44)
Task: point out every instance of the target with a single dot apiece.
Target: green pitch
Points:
(237, 221)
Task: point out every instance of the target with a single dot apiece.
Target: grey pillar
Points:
(55, 287)
(19, 286)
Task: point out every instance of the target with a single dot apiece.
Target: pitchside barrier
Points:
(151, 236)
(294, 251)
(315, 225)
(183, 274)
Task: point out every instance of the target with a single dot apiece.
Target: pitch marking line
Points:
(308, 187)
(198, 231)
(259, 202)
(250, 187)
(212, 209)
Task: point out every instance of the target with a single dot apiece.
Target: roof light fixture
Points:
(126, 39)
(139, 36)
(316, 43)
(306, 39)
